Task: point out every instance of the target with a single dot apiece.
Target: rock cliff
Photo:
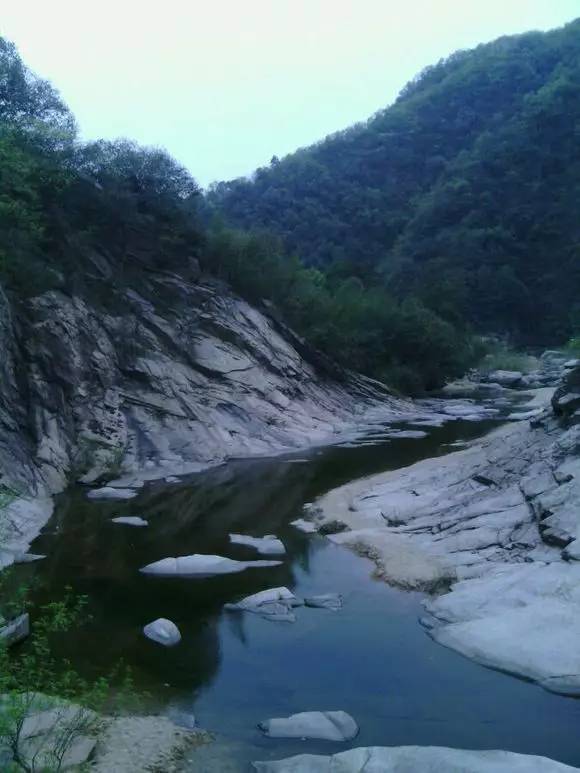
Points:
(159, 376)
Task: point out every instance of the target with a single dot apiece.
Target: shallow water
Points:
(231, 670)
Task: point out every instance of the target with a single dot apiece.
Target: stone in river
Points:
(269, 545)
(130, 520)
(200, 565)
(109, 492)
(274, 604)
(323, 725)
(163, 631)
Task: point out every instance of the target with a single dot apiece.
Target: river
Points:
(232, 670)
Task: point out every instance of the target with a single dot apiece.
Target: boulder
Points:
(163, 631)
(200, 565)
(130, 520)
(274, 604)
(269, 545)
(415, 759)
(323, 725)
(506, 378)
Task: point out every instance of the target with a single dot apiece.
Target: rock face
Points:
(179, 372)
(199, 565)
(323, 725)
(172, 375)
(412, 759)
(499, 522)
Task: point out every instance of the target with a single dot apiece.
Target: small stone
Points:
(130, 520)
(163, 631)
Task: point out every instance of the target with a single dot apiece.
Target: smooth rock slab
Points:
(109, 492)
(322, 725)
(269, 545)
(523, 619)
(274, 604)
(163, 631)
(332, 601)
(414, 759)
(201, 565)
(130, 520)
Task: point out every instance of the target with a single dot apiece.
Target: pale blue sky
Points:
(226, 84)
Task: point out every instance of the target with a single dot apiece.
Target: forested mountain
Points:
(93, 220)
(463, 194)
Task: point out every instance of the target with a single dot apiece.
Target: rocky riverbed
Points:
(496, 524)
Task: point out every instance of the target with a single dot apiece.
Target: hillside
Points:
(462, 193)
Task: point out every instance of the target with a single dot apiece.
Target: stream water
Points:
(231, 670)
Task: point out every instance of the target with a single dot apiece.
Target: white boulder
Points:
(274, 604)
(323, 725)
(201, 565)
(163, 631)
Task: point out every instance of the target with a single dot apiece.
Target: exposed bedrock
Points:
(499, 524)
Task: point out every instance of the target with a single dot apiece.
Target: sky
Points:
(224, 85)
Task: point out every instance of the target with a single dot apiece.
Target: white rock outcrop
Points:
(414, 759)
(499, 523)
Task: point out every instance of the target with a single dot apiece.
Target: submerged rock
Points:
(269, 545)
(201, 565)
(414, 759)
(130, 520)
(323, 725)
(163, 631)
(331, 601)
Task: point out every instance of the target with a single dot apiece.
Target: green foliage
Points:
(462, 194)
(502, 357)
(402, 342)
(34, 679)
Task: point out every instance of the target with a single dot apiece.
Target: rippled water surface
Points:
(372, 659)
